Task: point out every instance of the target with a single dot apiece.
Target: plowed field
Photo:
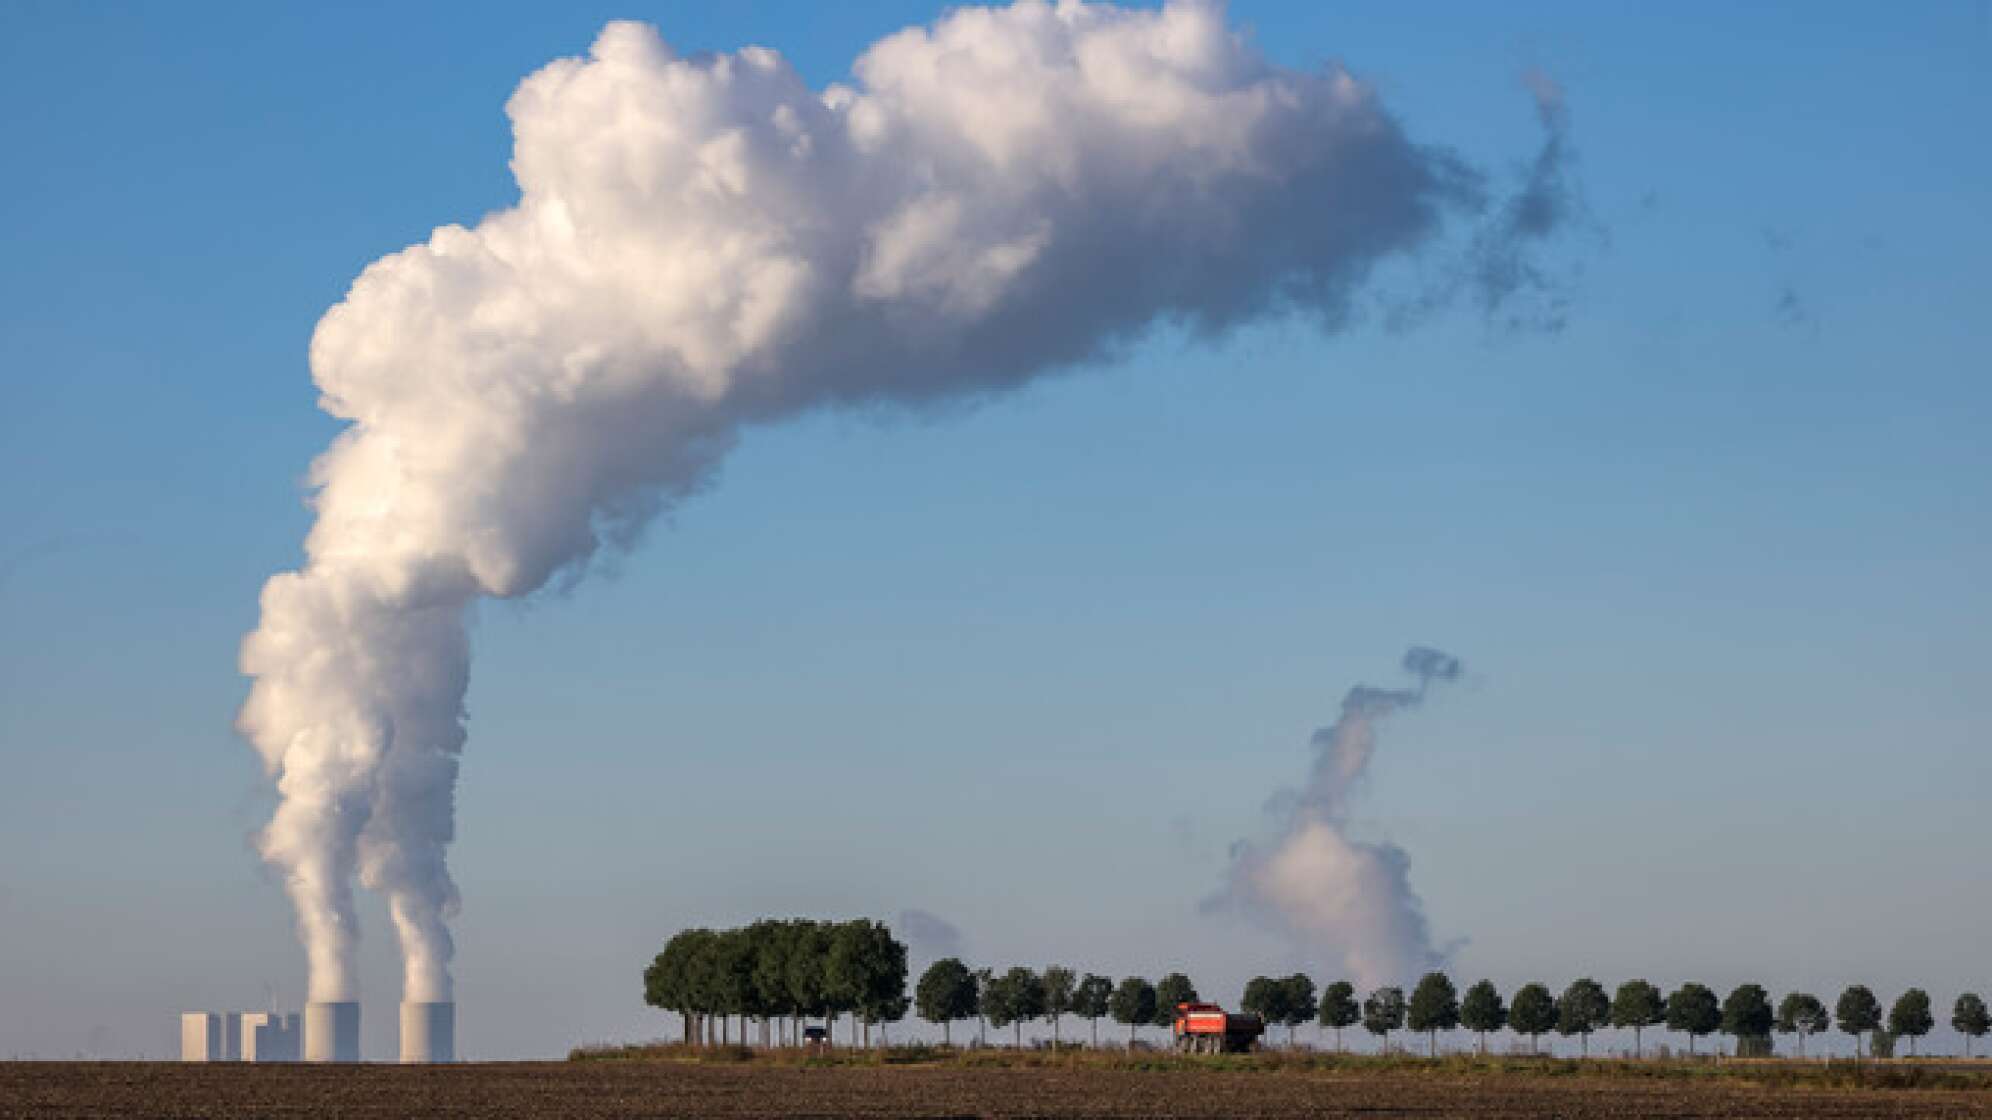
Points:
(616, 1089)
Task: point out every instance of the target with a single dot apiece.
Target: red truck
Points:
(1205, 1028)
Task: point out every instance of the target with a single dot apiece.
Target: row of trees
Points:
(778, 973)
(1692, 1009)
(949, 991)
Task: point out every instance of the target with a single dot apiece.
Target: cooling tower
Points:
(331, 1032)
(428, 1032)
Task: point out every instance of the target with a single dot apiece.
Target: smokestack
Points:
(428, 1032)
(332, 1032)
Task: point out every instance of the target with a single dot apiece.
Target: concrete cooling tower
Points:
(331, 1032)
(428, 1032)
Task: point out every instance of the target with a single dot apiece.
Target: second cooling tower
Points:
(428, 1032)
(331, 1032)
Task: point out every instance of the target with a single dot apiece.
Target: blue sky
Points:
(1714, 554)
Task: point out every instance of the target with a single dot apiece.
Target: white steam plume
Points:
(1338, 896)
(705, 242)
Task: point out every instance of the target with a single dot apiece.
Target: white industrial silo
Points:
(332, 1032)
(428, 1032)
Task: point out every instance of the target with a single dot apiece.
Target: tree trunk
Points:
(1636, 1047)
(1018, 1027)
(1130, 1036)
(1584, 1040)
(1432, 1044)
(1338, 1041)
(1483, 1044)
(1054, 1031)
(1096, 1035)
(947, 1034)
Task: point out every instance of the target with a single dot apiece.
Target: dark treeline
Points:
(778, 974)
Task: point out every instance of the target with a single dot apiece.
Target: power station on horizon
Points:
(329, 1032)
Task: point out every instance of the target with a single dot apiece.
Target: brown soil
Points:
(618, 1089)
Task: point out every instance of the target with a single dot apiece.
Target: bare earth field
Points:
(615, 1089)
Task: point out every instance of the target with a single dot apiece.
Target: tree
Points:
(1482, 1011)
(1171, 990)
(1970, 1019)
(1339, 1008)
(1747, 1017)
(946, 993)
(1910, 1017)
(865, 971)
(1533, 1012)
(1262, 997)
(1383, 1012)
(1133, 1004)
(1014, 997)
(1802, 1014)
(1693, 1011)
(1584, 1008)
(1638, 1005)
(1858, 1013)
(1434, 1007)
(1296, 1003)
(1092, 999)
(1058, 991)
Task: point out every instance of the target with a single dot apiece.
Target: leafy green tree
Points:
(1171, 990)
(1434, 1007)
(866, 971)
(1133, 1004)
(1092, 999)
(1383, 1012)
(1801, 1014)
(1339, 1008)
(1059, 982)
(1482, 1011)
(1014, 998)
(1584, 1008)
(1969, 1018)
(1533, 1013)
(1910, 1018)
(1693, 1011)
(1858, 1013)
(1296, 1003)
(946, 992)
(1747, 1017)
(1262, 998)
(1638, 1005)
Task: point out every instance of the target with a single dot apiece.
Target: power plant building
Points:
(270, 1037)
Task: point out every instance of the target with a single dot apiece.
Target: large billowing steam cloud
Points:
(705, 242)
(1339, 896)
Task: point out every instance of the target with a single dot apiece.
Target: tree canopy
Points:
(1171, 990)
(1434, 1007)
(779, 969)
(1802, 1014)
(1858, 1013)
(1970, 1019)
(1339, 1008)
(1693, 1011)
(1533, 1012)
(1059, 988)
(1482, 1011)
(1383, 1012)
(1092, 999)
(1910, 1018)
(1636, 1006)
(1013, 998)
(946, 992)
(1747, 1016)
(1583, 1009)
(1133, 1004)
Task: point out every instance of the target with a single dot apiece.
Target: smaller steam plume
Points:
(1339, 897)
